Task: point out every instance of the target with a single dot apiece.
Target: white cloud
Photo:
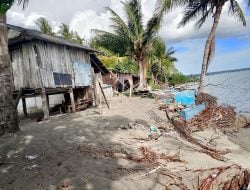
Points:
(84, 22)
(17, 18)
(83, 16)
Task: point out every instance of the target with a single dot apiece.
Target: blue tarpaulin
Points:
(189, 113)
(185, 98)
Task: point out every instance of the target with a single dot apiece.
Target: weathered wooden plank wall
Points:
(34, 62)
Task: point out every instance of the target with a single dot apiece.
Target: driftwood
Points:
(185, 133)
(145, 156)
(175, 180)
(237, 182)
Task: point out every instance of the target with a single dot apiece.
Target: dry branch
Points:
(185, 133)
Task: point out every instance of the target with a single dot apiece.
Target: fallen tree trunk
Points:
(180, 128)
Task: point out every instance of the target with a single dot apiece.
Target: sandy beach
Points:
(55, 154)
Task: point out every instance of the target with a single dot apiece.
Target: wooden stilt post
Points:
(47, 97)
(97, 91)
(24, 107)
(130, 80)
(94, 83)
(72, 99)
(45, 104)
(100, 99)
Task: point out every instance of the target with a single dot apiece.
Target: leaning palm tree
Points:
(130, 37)
(8, 115)
(44, 26)
(202, 9)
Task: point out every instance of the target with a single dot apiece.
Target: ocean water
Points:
(232, 88)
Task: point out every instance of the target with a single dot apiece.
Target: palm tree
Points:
(130, 37)
(44, 26)
(8, 115)
(65, 32)
(161, 61)
(201, 10)
(78, 39)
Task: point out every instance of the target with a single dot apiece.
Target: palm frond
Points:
(112, 42)
(168, 5)
(195, 9)
(153, 27)
(236, 11)
(23, 3)
(119, 26)
(170, 51)
(44, 26)
(203, 18)
(134, 14)
(169, 54)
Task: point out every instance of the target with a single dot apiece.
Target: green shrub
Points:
(179, 78)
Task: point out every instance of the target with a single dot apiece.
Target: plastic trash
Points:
(31, 157)
(35, 166)
(153, 129)
(154, 133)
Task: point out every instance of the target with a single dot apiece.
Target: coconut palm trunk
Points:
(209, 49)
(8, 115)
(143, 74)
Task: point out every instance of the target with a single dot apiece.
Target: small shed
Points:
(44, 65)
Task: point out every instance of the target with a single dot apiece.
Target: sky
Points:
(232, 38)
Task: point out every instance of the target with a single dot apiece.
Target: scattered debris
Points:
(170, 134)
(175, 181)
(207, 98)
(231, 177)
(155, 133)
(184, 132)
(136, 125)
(31, 157)
(214, 116)
(33, 167)
(145, 156)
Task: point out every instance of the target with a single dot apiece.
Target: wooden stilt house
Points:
(44, 65)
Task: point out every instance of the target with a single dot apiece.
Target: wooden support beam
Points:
(72, 99)
(103, 94)
(19, 95)
(99, 99)
(131, 85)
(24, 107)
(44, 98)
(96, 86)
(47, 97)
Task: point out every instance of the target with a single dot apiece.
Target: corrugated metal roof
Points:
(22, 34)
